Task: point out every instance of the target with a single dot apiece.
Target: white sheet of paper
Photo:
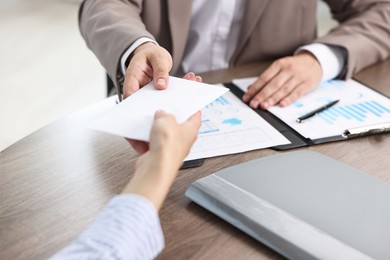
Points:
(133, 117)
(359, 106)
(229, 126)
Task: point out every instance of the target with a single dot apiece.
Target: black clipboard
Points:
(296, 139)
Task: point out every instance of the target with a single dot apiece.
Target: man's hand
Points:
(285, 81)
(148, 62)
(142, 147)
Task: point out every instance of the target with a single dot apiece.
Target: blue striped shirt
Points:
(128, 228)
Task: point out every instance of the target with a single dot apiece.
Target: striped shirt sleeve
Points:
(128, 228)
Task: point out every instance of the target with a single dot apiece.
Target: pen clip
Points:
(368, 130)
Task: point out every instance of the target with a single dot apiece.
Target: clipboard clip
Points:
(367, 130)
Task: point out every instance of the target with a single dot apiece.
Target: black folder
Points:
(296, 139)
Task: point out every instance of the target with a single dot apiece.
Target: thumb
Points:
(161, 65)
(159, 113)
(160, 81)
(193, 123)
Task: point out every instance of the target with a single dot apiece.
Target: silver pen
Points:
(316, 111)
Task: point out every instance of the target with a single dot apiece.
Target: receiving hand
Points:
(140, 146)
(172, 140)
(148, 62)
(156, 169)
(284, 81)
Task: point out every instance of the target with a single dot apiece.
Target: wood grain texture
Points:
(55, 181)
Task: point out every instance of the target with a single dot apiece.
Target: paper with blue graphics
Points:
(229, 126)
(133, 117)
(359, 106)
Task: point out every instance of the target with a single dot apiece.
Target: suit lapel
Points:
(179, 13)
(252, 14)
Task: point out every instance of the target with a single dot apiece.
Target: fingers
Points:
(149, 62)
(195, 119)
(193, 77)
(171, 138)
(192, 125)
(137, 75)
(276, 98)
(131, 85)
(284, 81)
(262, 81)
(161, 113)
(166, 129)
(274, 86)
(299, 91)
(189, 128)
(189, 76)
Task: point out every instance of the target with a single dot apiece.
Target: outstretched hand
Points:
(284, 81)
(172, 140)
(156, 169)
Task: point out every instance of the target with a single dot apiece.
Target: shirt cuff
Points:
(331, 59)
(132, 47)
(127, 228)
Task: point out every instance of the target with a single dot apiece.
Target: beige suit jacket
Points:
(270, 29)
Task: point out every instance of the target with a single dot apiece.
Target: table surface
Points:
(55, 181)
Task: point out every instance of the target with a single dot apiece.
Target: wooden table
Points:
(55, 181)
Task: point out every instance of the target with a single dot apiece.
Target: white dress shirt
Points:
(213, 35)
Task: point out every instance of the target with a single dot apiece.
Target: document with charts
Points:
(229, 126)
(359, 106)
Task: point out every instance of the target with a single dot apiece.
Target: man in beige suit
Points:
(139, 41)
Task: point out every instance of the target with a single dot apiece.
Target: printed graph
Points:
(359, 106)
(208, 127)
(355, 112)
(230, 126)
(220, 115)
(221, 101)
(232, 121)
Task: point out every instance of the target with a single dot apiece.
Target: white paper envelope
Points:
(133, 117)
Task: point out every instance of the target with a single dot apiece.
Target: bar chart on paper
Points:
(360, 112)
(359, 106)
(221, 111)
(229, 126)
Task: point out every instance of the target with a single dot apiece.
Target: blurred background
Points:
(47, 72)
